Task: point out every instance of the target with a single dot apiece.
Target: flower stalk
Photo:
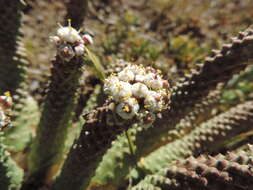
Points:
(60, 102)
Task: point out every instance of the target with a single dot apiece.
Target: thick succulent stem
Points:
(200, 112)
(117, 161)
(90, 104)
(57, 115)
(13, 63)
(11, 175)
(101, 128)
(13, 75)
(204, 139)
(232, 171)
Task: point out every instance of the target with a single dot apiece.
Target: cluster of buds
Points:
(138, 91)
(5, 108)
(70, 42)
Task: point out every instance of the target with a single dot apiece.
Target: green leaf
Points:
(97, 65)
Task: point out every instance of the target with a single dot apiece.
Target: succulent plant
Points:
(124, 125)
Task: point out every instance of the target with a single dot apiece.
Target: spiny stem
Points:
(88, 150)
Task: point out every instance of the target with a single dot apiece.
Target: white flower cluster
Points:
(5, 105)
(70, 42)
(137, 90)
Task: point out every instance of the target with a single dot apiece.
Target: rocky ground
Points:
(170, 35)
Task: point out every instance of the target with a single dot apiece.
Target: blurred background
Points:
(171, 35)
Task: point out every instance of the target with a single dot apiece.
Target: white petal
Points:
(126, 75)
(88, 38)
(140, 90)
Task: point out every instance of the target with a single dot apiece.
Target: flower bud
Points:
(79, 50)
(66, 52)
(87, 38)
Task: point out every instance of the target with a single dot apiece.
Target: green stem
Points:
(130, 143)
(57, 116)
(99, 131)
(13, 75)
(11, 175)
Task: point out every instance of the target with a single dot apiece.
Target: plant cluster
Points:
(138, 91)
(124, 125)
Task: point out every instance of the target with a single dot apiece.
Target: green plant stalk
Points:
(11, 175)
(230, 171)
(12, 59)
(118, 160)
(206, 138)
(25, 117)
(130, 143)
(116, 163)
(13, 75)
(100, 129)
(57, 115)
(90, 104)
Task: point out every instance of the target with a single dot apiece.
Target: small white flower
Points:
(88, 38)
(124, 90)
(68, 34)
(111, 85)
(121, 111)
(134, 104)
(62, 32)
(154, 94)
(126, 75)
(140, 90)
(119, 90)
(139, 78)
(137, 70)
(114, 92)
(111, 80)
(156, 84)
(128, 109)
(79, 49)
(153, 101)
(73, 36)
(148, 78)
